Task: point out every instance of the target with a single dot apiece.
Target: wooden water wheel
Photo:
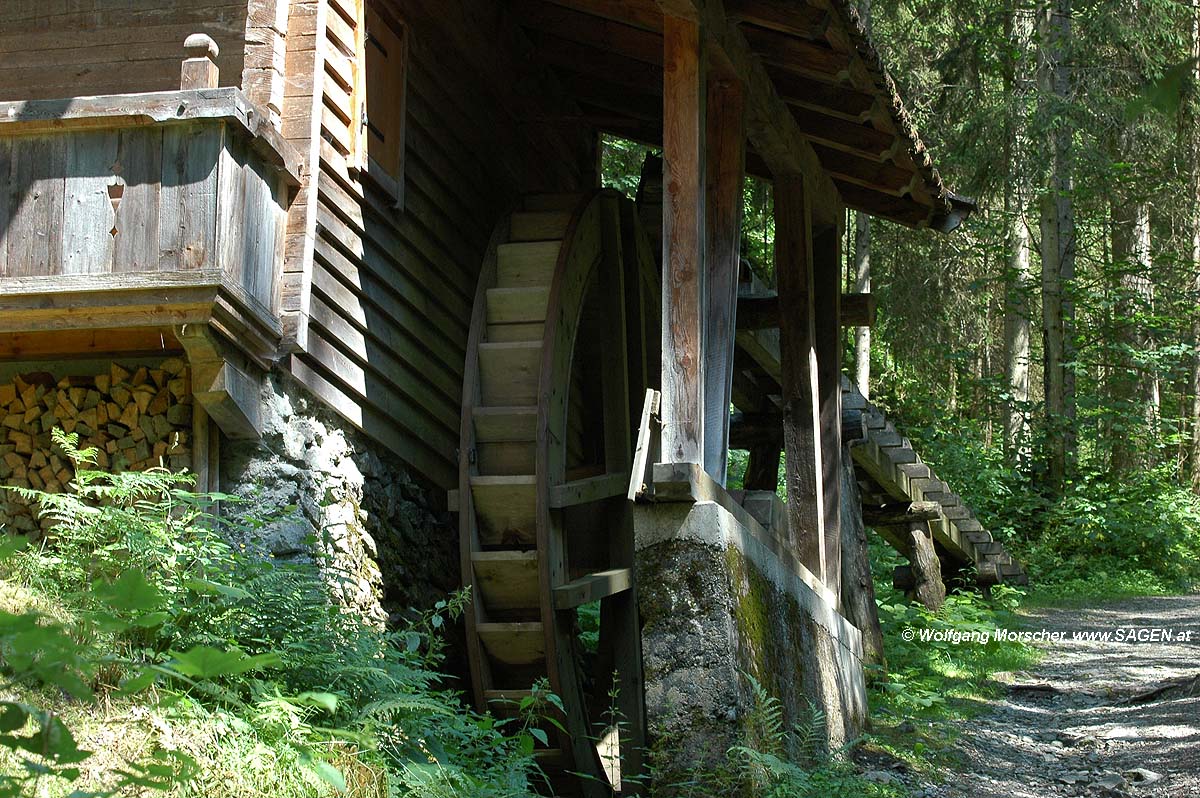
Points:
(564, 332)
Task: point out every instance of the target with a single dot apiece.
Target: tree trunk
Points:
(1058, 246)
(1194, 119)
(862, 267)
(1019, 274)
(858, 589)
(1133, 388)
(862, 285)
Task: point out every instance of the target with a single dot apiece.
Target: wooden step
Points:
(526, 264)
(505, 458)
(514, 644)
(507, 580)
(552, 202)
(510, 333)
(508, 372)
(505, 423)
(505, 703)
(539, 225)
(968, 525)
(505, 509)
(516, 305)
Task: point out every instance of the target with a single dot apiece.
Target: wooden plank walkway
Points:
(891, 472)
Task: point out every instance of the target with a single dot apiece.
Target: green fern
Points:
(765, 728)
(810, 737)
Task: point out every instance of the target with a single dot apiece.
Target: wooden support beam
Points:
(828, 342)
(609, 35)
(762, 312)
(863, 170)
(771, 128)
(589, 490)
(758, 312)
(592, 587)
(796, 55)
(900, 514)
(762, 468)
(642, 106)
(854, 428)
(794, 19)
(643, 14)
(684, 98)
(820, 95)
(928, 587)
(748, 430)
(725, 175)
(898, 209)
(840, 134)
(595, 62)
(799, 373)
(223, 383)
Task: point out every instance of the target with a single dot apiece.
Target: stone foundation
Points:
(386, 548)
(717, 604)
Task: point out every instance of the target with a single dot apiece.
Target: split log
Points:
(135, 418)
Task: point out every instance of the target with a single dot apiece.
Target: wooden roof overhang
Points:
(819, 96)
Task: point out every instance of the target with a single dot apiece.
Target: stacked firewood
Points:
(136, 418)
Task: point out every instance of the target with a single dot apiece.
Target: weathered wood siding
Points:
(73, 48)
(378, 298)
(157, 198)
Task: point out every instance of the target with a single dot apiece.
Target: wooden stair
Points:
(504, 561)
(891, 471)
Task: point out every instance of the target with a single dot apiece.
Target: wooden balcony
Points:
(132, 217)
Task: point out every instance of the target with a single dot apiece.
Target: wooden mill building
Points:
(385, 215)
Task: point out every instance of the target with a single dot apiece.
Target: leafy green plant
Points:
(154, 607)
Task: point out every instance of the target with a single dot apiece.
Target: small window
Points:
(386, 57)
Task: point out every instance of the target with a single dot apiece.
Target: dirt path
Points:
(1093, 713)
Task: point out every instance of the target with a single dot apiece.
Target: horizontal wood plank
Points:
(592, 587)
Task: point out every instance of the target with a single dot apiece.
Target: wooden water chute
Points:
(563, 333)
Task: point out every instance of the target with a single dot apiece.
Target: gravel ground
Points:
(1095, 718)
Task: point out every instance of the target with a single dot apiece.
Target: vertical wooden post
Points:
(199, 70)
(762, 468)
(827, 292)
(725, 174)
(798, 364)
(683, 242)
(200, 447)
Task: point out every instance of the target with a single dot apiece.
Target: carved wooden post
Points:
(199, 69)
